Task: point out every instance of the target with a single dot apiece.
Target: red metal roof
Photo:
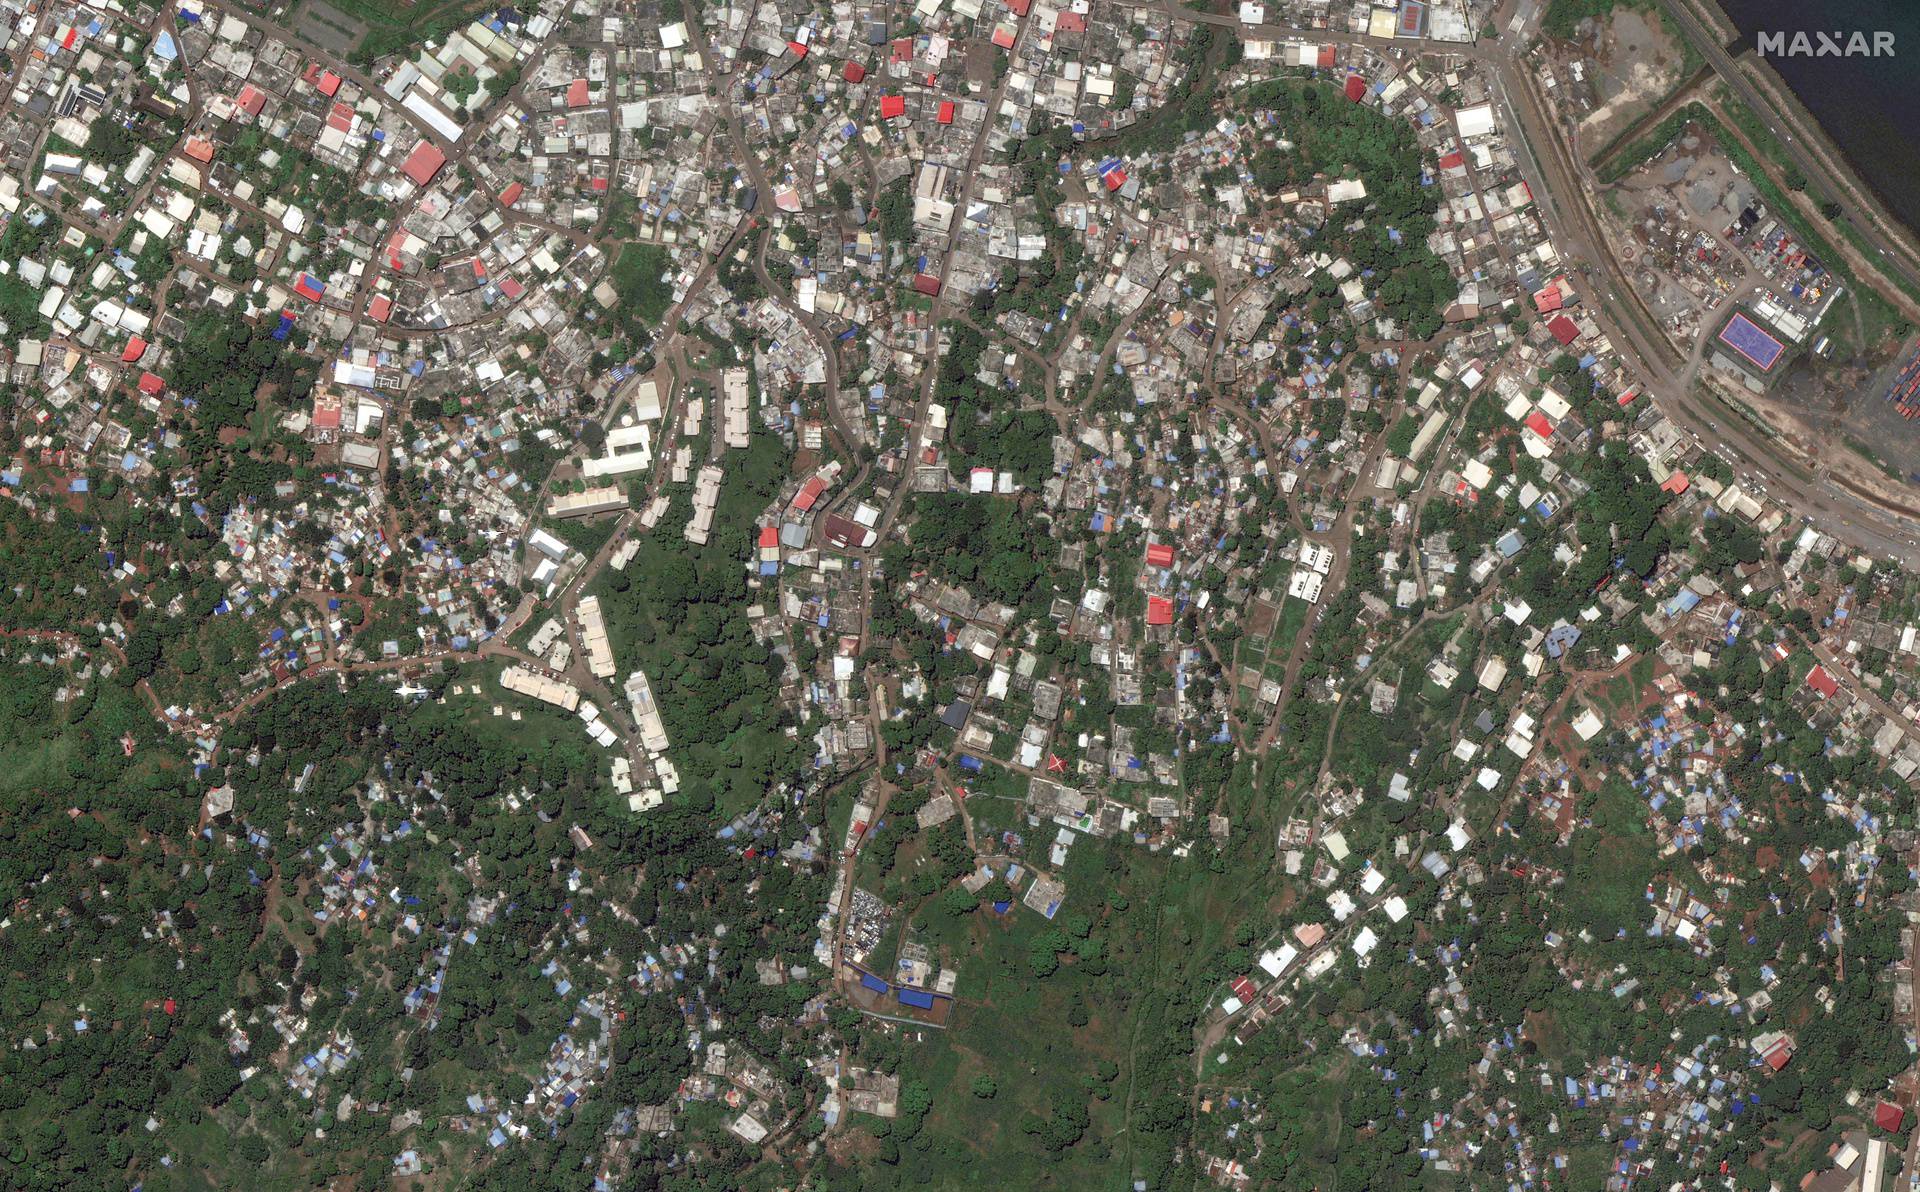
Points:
(853, 72)
(152, 385)
(1159, 610)
(1822, 682)
(577, 93)
(1888, 1116)
(809, 493)
(136, 348)
(1159, 554)
(892, 106)
(423, 163)
(1564, 330)
(1356, 88)
(1540, 424)
(946, 111)
(926, 283)
(380, 308)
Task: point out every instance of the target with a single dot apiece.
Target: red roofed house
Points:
(136, 348)
(380, 308)
(1003, 36)
(1822, 683)
(1243, 989)
(1776, 1056)
(250, 100)
(577, 93)
(1563, 330)
(1549, 299)
(799, 48)
(926, 283)
(809, 493)
(769, 536)
(853, 72)
(511, 195)
(305, 286)
(328, 411)
(152, 385)
(423, 163)
(1070, 22)
(1159, 554)
(1116, 179)
(946, 111)
(199, 149)
(325, 81)
(1676, 484)
(1540, 424)
(1159, 610)
(892, 107)
(1019, 7)
(1356, 88)
(1888, 1116)
(1326, 57)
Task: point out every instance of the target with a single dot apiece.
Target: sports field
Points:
(1746, 337)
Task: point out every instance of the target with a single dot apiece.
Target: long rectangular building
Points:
(544, 688)
(593, 634)
(646, 713)
(734, 399)
(706, 495)
(604, 499)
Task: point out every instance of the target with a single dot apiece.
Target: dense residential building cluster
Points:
(1020, 591)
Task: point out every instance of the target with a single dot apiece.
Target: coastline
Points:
(1799, 121)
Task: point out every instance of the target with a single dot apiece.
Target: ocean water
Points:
(1869, 106)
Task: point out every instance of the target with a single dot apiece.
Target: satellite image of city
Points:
(852, 595)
